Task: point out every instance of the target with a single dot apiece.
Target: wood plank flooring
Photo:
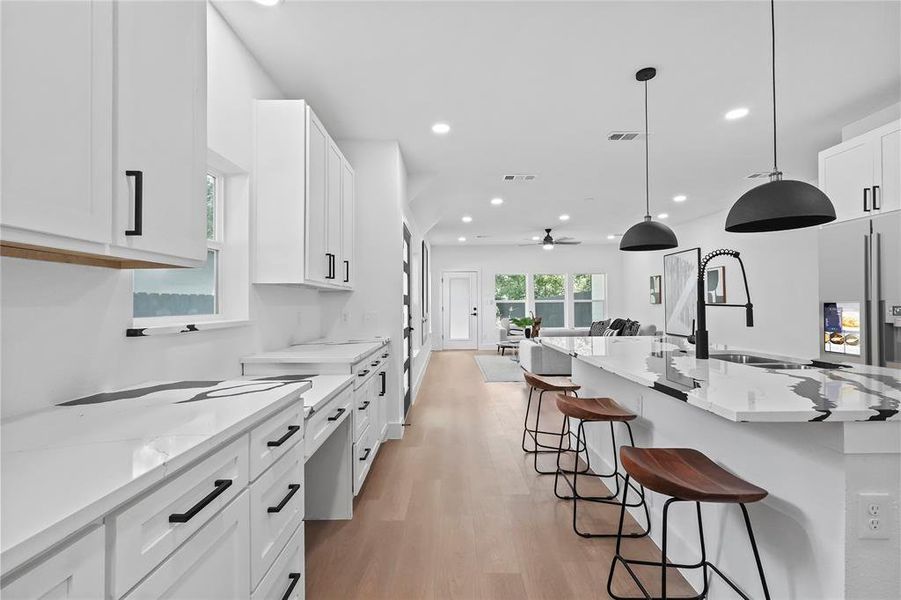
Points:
(455, 510)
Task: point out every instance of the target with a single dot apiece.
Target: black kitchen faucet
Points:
(702, 349)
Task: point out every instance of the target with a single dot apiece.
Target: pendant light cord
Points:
(647, 152)
(773, 42)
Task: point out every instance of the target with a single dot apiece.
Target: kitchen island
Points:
(818, 439)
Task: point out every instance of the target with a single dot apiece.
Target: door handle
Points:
(220, 485)
(292, 429)
(876, 194)
(346, 271)
(364, 406)
(365, 454)
(335, 416)
(331, 265)
(866, 205)
(292, 489)
(294, 577)
(139, 203)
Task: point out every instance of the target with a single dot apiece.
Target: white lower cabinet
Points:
(363, 455)
(285, 580)
(76, 572)
(212, 565)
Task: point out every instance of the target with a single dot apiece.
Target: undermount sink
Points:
(745, 359)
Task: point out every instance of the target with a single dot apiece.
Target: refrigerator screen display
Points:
(841, 327)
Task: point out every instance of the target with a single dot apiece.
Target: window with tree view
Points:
(589, 298)
(185, 292)
(510, 295)
(550, 299)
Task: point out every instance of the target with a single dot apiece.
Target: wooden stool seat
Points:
(593, 409)
(686, 474)
(550, 384)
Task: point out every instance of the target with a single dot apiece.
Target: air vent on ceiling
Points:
(625, 136)
(519, 177)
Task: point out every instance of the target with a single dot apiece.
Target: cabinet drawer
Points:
(76, 571)
(275, 437)
(326, 420)
(276, 509)
(364, 407)
(286, 579)
(212, 565)
(154, 527)
(363, 454)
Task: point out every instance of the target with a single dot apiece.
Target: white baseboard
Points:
(395, 431)
(418, 383)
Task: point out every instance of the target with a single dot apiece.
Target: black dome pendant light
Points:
(780, 204)
(647, 235)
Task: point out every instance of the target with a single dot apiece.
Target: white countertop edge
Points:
(330, 395)
(185, 326)
(283, 356)
(15, 556)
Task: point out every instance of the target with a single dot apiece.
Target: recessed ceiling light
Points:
(737, 113)
(466, 219)
(441, 128)
(564, 217)
(680, 198)
(461, 239)
(611, 237)
(662, 216)
(268, 2)
(497, 201)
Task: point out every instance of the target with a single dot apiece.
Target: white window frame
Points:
(525, 301)
(567, 296)
(572, 301)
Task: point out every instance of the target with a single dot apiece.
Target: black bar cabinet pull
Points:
(294, 577)
(876, 206)
(866, 205)
(363, 373)
(330, 258)
(364, 406)
(220, 485)
(365, 454)
(335, 416)
(384, 377)
(346, 271)
(139, 203)
(292, 489)
(292, 429)
(385, 355)
(374, 363)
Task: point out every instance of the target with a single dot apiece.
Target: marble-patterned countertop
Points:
(325, 388)
(322, 352)
(66, 466)
(741, 392)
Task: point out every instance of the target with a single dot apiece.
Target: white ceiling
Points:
(536, 87)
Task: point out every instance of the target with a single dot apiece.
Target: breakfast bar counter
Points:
(825, 441)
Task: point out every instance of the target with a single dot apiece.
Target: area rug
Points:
(497, 369)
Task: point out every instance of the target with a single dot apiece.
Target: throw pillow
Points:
(599, 327)
(611, 333)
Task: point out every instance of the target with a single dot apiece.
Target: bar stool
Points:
(544, 384)
(595, 410)
(685, 475)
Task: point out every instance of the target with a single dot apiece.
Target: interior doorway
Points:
(460, 310)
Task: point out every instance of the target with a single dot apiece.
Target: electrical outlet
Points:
(875, 520)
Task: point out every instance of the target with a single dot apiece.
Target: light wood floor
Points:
(454, 510)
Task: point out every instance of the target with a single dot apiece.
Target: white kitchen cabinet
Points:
(212, 565)
(285, 580)
(861, 175)
(92, 90)
(75, 572)
(161, 125)
(302, 209)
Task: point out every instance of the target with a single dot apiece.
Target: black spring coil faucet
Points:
(702, 349)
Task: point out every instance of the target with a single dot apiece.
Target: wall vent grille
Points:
(521, 177)
(625, 136)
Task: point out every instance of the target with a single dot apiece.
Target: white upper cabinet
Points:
(92, 90)
(304, 200)
(161, 125)
(861, 175)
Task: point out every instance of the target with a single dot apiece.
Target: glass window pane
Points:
(176, 292)
(586, 313)
(589, 287)
(548, 287)
(510, 287)
(211, 191)
(511, 310)
(551, 313)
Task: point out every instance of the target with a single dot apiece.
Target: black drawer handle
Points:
(374, 363)
(876, 195)
(292, 489)
(385, 355)
(365, 454)
(384, 377)
(294, 577)
(330, 262)
(220, 486)
(292, 429)
(335, 416)
(139, 202)
(363, 373)
(866, 206)
(365, 406)
(346, 271)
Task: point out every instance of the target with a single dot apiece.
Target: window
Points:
(589, 298)
(186, 292)
(550, 299)
(510, 296)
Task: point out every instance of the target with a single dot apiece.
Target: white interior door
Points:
(460, 290)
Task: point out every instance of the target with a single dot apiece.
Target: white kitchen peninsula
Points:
(818, 439)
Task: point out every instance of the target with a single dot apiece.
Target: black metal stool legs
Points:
(534, 432)
(703, 564)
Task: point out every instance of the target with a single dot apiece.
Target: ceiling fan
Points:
(549, 242)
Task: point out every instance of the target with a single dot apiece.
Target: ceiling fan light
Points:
(647, 236)
(547, 246)
(780, 205)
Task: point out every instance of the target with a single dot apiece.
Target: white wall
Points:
(64, 325)
(782, 275)
(491, 260)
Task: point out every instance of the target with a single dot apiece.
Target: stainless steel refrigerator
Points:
(860, 291)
